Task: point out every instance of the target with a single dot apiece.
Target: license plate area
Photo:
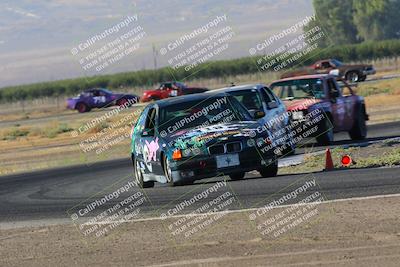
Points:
(227, 160)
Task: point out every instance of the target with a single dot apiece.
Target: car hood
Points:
(300, 104)
(214, 133)
(151, 91)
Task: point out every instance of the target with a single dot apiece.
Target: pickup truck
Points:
(350, 72)
(309, 96)
(170, 89)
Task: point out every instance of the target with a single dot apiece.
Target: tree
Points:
(336, 20)
(355, 21)
(377, 19)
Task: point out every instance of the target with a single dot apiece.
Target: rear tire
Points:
(139, 176)
(237, 176)
(122, 102)
(359, 129)
(325, 132)
(353, 76)
(269, 171)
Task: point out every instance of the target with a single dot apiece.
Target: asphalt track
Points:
(53, 194)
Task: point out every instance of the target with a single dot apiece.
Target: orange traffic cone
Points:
(328, 160)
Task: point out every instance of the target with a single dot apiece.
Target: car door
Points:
(338, 104)
(99, 99)
(349, 100)
(88, 98)
(274, 108)
(149, 143)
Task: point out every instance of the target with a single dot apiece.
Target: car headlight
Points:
(298, 115)
(192, 151)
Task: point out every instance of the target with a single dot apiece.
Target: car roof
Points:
(303, 77)
(186, 98)
(237, 88)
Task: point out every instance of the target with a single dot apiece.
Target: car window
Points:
(297, 89)
(150, 119)
(268, 95)
(96, 93)
(326, 65)
(140, 124)
(88, 94)
(248, 98)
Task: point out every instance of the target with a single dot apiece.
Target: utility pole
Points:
(155, 54)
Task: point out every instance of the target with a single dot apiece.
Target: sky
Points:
(42, 40)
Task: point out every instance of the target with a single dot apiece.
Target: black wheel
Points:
(139, 176)
(122, 102)
(82, 107)
(325, 132)
(167, 171)
(270, 171)
(237, 176)
(154, 98)
(359, 129)
(363, 78)
(353, 76)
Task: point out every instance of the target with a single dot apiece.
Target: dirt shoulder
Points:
(351, 233)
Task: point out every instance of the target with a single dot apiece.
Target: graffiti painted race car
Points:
(100, 98)
(183, 139)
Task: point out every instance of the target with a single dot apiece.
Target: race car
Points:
(350, 72)
(100, 98)
(183, 139)
(258, 97)
(311, 97)
(170, 89)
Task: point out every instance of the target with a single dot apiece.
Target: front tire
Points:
(359, 129)
(168, 171)
(270, 171)
(139, 176)
(237, 176)
(82, 107)
(325, 133)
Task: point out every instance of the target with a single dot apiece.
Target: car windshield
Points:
(297, 89)
(206, 112)
(248, 98)
(106, 91)
(337, 62)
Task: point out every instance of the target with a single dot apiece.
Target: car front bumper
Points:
(201, 167)
(369, 72)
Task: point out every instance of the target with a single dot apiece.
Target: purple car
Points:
(100, 98)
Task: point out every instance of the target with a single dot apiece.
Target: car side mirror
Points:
(272, 105)
(258, 114)
(148, 132)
